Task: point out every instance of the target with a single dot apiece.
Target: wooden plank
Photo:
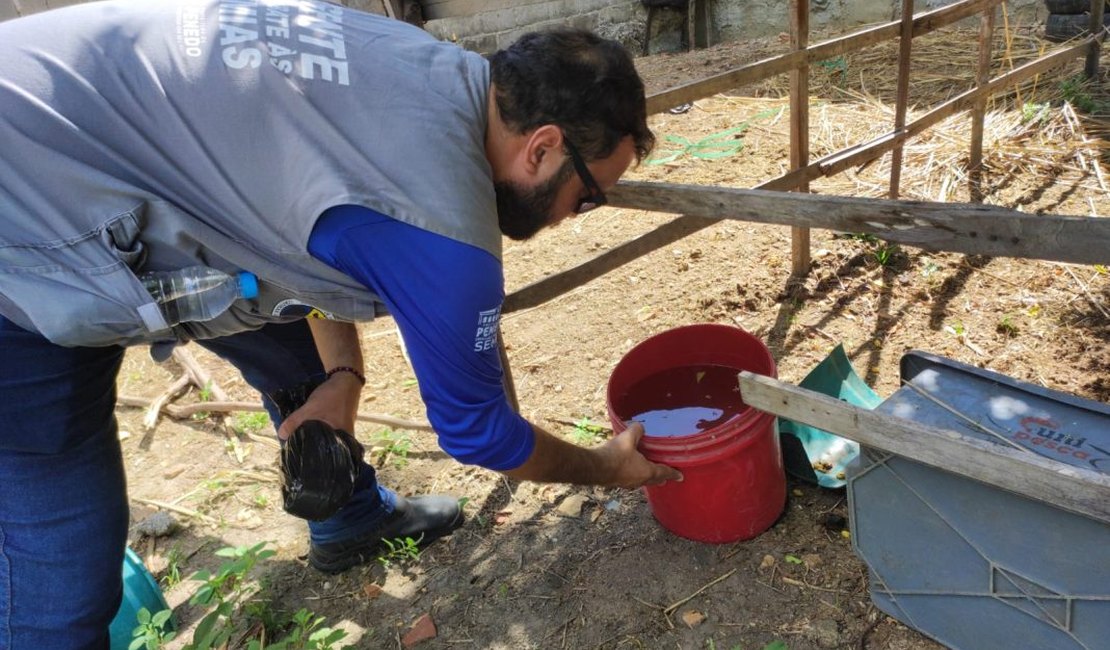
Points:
(763, 69)
(1082, 491)
(979, 110)
(799, 127)
(958, 227)
(902, 96)
(700, 11)
(1094, 50)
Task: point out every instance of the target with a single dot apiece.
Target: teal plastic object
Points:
(818, 456)
(140, 590)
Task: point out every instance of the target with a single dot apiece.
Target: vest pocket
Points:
(81, 290)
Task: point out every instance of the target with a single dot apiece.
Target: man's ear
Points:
(543, 150)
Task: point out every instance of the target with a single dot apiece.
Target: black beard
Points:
(522, 212)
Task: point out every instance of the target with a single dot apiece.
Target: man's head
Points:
(569, 119)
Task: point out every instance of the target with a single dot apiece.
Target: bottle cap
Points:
(248, 285)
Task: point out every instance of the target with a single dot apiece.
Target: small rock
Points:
(423, 629)
(159, 524)
(124, 434)
(692, 618)
(572, 505)
(768, 562)
(174, 471)
(811, 560)
(612, 505)
(798, 493)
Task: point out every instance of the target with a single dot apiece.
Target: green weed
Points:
(250, 422)
(885, 254)
(1034, 113)
(1077, 91)
(395, 446)
(232, 603)
(586, 432)
(307, 634)
(152, 632)
(172, 576)
(402, 551)
(1006, 326)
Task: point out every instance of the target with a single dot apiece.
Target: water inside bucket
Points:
(684, 400)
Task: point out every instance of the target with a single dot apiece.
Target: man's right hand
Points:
(633, 469)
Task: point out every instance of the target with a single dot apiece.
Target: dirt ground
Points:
(552, 566)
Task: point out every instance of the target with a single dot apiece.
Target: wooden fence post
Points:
(799, 125)
(979, 111)
(905, 47)
(1097, 9)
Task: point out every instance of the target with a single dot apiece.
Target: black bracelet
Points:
(358, 375)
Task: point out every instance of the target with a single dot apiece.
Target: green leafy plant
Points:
(250, 422)
(1007, 326)
(719, 145)
(307, 634)
(885, 254)
(792, 559)
(586, 432)
(395, 446)
(1034, 113)
(223, 591)
(152, 631)
(403, 551)
(172, 577)
(1076, 90)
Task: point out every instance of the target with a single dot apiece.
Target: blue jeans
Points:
(63, 495)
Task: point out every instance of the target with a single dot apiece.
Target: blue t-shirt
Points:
(445, 297)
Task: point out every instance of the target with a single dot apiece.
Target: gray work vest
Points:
(152, 135)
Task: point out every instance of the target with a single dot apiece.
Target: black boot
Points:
(424, 519)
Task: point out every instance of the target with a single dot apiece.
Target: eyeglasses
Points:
(596, 197)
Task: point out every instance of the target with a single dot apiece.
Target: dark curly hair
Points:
(578, 81)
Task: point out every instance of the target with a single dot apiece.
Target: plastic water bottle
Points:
(197, 293)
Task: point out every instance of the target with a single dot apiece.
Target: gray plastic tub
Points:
(969, 564)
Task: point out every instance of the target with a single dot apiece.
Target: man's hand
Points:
(617, 463)
(632, 469)
(336, 400)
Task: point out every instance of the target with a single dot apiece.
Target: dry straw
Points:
(1050, 127)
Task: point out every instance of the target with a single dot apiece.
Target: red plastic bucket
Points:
(734, 485)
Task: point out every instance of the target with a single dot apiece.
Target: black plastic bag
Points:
(319, 464)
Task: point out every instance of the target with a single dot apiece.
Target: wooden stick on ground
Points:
(150, 420)
(187, 512)
(183, 411)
